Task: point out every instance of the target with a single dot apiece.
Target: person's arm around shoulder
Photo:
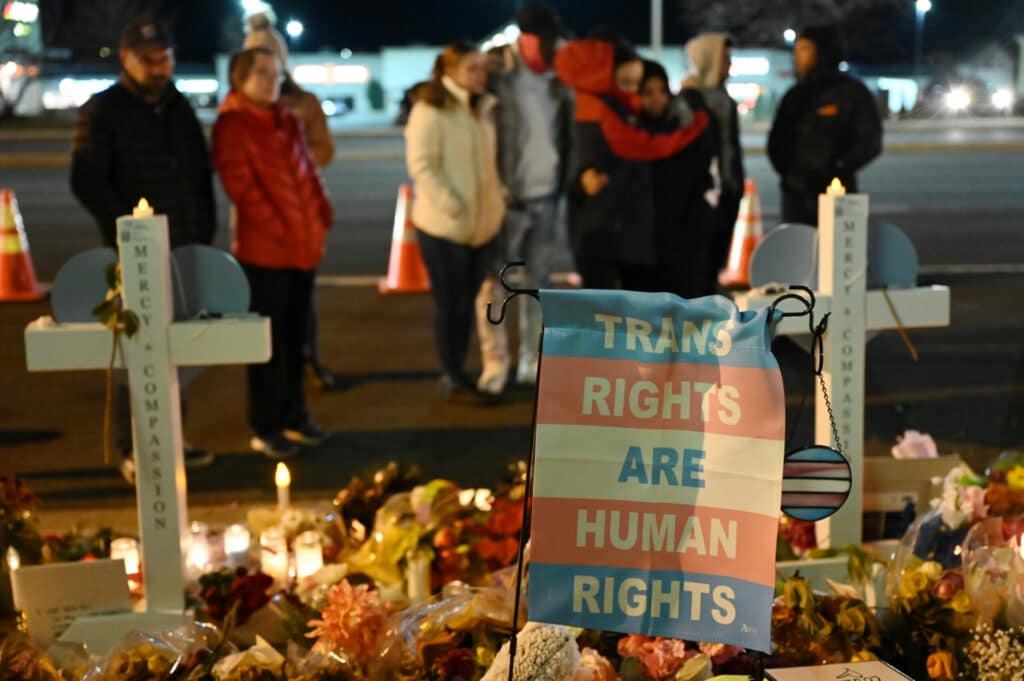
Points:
(92, 167)
(423, 140)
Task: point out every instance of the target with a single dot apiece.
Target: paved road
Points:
(962, 210)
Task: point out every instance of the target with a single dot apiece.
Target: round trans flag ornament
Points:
(816, 482)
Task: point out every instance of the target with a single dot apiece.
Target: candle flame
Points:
(143, 204)
(836, 188)
(282, 478)
(13, 559)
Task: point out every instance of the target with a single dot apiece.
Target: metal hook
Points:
(808, 302)
(513, 292)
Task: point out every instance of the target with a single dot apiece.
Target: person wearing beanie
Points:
(710, 56)
(306, 108)
(534, 131)
(827, 126)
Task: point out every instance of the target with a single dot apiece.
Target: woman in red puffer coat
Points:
(282, 219)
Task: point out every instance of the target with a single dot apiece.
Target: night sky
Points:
(206, 26)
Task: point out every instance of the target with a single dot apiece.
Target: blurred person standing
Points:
(710, 56)
(140, 138)
(283, 215)
(826, 126)
(451, 156)
(308, 111)
(534, 127)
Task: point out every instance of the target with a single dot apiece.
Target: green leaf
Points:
(113, 275)
(131, 323)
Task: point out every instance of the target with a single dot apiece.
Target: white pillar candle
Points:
(274, 555)
(283, 481)
(13, 559)
(197, 559)
(236, 544)
(417, 575)
(309, 553)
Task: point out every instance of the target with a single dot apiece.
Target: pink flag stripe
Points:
(811, 500)
(799, 469)
(734, 543)
(738, 401)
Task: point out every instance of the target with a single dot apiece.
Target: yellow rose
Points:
(863, 656)
(1015, 479)
(912, 583)
(961, 602)
(931, 570)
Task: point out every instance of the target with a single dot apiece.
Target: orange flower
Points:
(941, 666)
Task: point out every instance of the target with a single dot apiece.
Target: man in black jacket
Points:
(826, 126)
(140, 138)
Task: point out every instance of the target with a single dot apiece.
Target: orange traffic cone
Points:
(746, 235)
(407, 272)
(17, 276)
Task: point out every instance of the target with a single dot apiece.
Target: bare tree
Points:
(762, 22)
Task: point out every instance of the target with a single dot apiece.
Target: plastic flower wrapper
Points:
(988, 559)
(914, 444)
(396, 533)
(261, 662)
(350, 624)
(312, 590)
(544, 652)
(420, 635)
(22, 658)
(435, 504)
(186, 652)
(363, 497)
(303, 664)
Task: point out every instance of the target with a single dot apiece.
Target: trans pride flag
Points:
(659, 460)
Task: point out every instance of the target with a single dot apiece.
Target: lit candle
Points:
(143, 210)
(198, 558)
(236, 544)
(283, 480)
(127, 549)
(274, 555)
(13, 559)
(309, 553)
(836, 188)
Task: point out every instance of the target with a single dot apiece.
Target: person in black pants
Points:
(140, 138)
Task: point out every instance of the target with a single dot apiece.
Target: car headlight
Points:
(1002, 99)
(958, 99)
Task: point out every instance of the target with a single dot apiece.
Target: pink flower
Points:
(948, 585)
(660, 657)
(351, 622)
(915, 445)
(599, 667)
(973, 503)
(720, 653)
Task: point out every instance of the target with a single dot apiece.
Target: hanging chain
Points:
(831, 416)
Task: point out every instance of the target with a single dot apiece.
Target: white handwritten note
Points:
(52, 596)
(858, 671)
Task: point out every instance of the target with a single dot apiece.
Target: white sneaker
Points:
(492, 380)
(526, 373)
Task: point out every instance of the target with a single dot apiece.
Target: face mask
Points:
(531, 52)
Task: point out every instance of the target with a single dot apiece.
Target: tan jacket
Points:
(306, 108)
(451, 156)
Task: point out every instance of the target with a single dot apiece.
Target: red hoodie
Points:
(282, 211)
(588, 67)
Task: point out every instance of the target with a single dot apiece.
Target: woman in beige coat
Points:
(451, 154)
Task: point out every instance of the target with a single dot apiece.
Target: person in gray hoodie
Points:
(710, 56)
(534, 121)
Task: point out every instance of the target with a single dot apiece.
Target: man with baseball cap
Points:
(140, 138)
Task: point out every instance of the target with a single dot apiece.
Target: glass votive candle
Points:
(309, 553)
(236, 544)
(197, 558)
(274, 555)
(126, 549)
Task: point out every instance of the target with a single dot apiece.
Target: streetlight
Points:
(789, 35)
(923, 7)
(294, 28)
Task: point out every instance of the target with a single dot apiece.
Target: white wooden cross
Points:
(151, 357)
(842, 271)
